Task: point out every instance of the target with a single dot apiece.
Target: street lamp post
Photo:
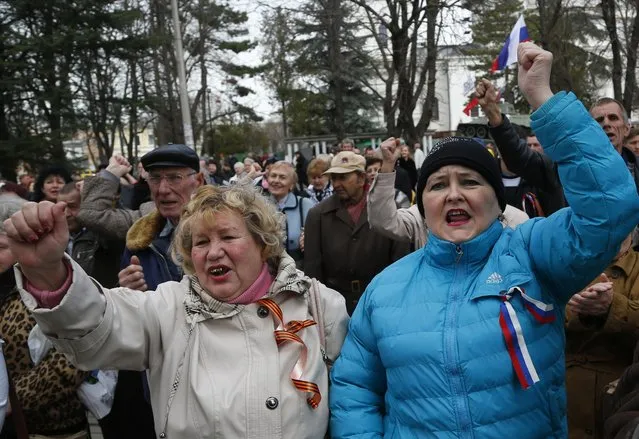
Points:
(184, 97)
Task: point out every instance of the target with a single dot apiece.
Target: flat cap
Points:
(171, 156)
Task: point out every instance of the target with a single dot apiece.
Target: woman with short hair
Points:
(321, 187)
(282, 180)
(230, 351)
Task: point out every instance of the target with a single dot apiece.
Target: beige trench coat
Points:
(234, 381)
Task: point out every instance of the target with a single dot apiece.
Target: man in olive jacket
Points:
(341, 250)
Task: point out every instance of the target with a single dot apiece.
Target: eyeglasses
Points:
(172, 180)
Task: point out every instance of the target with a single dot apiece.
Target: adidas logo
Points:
(494, 278)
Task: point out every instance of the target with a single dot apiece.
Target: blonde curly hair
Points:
(262, 219)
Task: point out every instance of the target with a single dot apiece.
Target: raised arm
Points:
(570, 245)
(535, 167)
(95, 327)
(383, 215)
(98, 210)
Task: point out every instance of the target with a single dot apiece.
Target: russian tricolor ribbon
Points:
(514, 336)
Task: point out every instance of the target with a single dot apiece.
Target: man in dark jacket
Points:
(174, 175)
(97, 255)
(341, 250)
(531, 179)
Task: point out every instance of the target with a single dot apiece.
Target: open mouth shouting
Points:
(219, 272)
(457, 217)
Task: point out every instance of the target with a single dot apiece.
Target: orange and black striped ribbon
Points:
(288, 333)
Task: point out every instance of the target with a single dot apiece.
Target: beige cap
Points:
(345, 162)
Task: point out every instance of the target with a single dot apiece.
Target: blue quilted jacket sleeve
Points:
(575, 242)
(358, 380)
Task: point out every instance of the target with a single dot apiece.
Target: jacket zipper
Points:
(450, 351)
(166, 266)
(460, 253)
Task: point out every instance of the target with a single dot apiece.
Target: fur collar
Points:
(144, 231)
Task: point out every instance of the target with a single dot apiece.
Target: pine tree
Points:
(280, 50)
(332, 58)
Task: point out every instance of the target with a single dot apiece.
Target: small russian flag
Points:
(474, 102)
(508, 54)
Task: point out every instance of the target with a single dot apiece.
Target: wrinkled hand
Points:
(594, 300)
(301, 241)
(119, 166)
(486, 93)
(38, 236)
(535, 65)
(133, 276)
(390, 154)
(488, 98)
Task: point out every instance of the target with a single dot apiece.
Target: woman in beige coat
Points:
(232, 350)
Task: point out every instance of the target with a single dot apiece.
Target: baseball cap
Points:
(345, 162)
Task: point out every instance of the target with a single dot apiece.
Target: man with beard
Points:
(341, 250)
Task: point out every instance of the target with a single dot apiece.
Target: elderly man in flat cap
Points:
(173, 175)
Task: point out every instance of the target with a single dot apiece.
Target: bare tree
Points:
(407, 69)
(623, 15)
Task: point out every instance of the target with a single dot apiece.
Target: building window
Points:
(435, 108)
(151, 140)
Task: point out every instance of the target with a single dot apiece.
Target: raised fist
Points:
(390, 154)
(535, 65)
(38, 235)
(119, 166)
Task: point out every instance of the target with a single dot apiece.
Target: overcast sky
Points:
(260, 101)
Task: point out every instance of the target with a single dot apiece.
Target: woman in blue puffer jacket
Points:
(464, 338)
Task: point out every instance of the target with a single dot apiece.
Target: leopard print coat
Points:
(47, 391)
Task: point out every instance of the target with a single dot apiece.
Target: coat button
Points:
(272, 403)
(262, 312)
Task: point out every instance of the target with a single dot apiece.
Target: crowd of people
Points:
(487, 289)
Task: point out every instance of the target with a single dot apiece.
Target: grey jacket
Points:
(99, 211)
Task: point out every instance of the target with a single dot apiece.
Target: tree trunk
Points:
(608, 12)
(630, 86)
(431, 68)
